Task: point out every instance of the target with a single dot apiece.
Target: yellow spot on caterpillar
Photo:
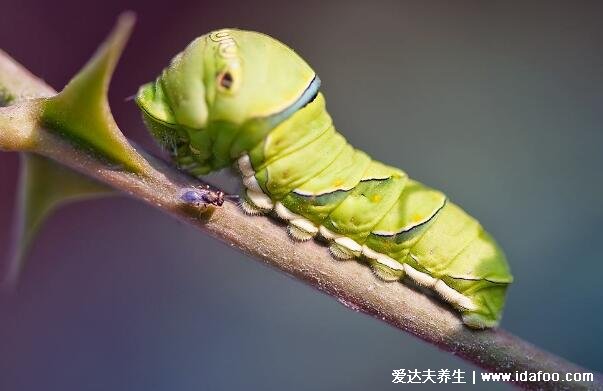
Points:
(337, 183)
(194, 150)
(416, 218)
(376, 198)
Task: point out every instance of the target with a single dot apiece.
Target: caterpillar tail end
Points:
(489, 302)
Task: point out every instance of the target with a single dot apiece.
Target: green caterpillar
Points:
(241, 97)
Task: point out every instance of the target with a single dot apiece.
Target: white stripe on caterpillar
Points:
(252, 184)
(284, 213)
(349, 244)
(245, 166)
(420, 278)
(305, 225)
(260, 200)
(454, 297)
(326, 233)
(389, 262)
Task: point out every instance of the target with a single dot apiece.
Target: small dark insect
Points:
(206, 196)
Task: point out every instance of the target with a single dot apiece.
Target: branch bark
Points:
(349, 282)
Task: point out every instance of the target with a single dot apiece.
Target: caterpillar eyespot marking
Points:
(274, 127)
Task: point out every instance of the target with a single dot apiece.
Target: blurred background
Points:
(496, 103)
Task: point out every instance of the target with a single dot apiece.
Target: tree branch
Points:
(350, 282)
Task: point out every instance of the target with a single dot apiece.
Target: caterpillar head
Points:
(222, 94)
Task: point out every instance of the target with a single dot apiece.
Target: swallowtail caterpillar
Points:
(241, 98)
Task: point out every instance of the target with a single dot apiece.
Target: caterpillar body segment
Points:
(241, 98)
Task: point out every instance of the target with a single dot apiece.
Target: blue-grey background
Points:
(496, 103)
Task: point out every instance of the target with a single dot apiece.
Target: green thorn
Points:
(44, 186)
(81, 111)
